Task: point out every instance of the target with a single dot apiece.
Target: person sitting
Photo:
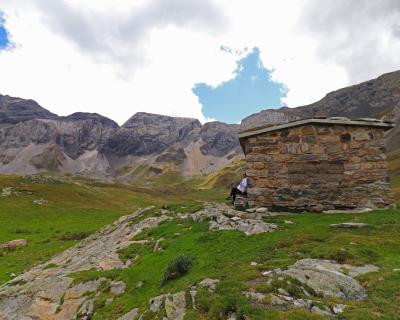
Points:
(241, 189)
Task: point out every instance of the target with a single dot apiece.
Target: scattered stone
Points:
(396, 270)
(266, 273)
(240, 203)
(350, 225)
(262, 210)
(14, 244)
(156, 303)
(131, 315)
(117, 287)
(139, 284)
(251, 210)
(283, 292)
(251, 227)
(40, 202)
(231, 316)
(253, 263)
(182, 215)
(236, 219)
(177, 234)
(289, 222)
(175, 306)
(157, 246)
(338, 308)
(6, 192)
(322, 312)
(209, 284)
(141, 242)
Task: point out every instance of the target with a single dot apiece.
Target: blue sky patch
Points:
(3, 34)
(250, 91)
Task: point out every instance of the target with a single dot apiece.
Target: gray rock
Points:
(117, 287)
(350, 225)
(13, 244)
(193, 294)
(262, 210)
(209, 284)
(322, 312)
(283, 292)
(131, 315)
(175, 306)
(156, 303)
(338, 308)
(326, 277)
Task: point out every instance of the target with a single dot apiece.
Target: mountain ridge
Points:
(35, 140)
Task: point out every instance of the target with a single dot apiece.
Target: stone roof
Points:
(367, 122)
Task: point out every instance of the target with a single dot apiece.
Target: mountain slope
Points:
(377, 98)
(34, 140)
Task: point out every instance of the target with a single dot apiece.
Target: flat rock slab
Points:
(328, 278)
(350, 225)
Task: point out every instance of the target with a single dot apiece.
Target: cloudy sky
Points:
(208, 59)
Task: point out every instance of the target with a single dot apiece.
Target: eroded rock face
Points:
(41, 291)
(146, 134)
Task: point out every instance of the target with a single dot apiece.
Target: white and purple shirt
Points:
(243, 185)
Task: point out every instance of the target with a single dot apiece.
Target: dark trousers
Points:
(234, 192)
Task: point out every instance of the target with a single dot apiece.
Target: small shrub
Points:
(49, 266)
(74, 236)
(176, 268)
(23, 231)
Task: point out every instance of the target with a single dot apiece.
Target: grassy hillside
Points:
(78, 207)
(227, 255)
(74, 208)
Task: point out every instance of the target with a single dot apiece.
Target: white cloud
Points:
(120, 57)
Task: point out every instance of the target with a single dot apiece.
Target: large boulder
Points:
(328, 278)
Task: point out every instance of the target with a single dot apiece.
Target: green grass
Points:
(76, 208)
(79, 207)
(226, 255)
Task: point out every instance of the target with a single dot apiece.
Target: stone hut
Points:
(318, 164)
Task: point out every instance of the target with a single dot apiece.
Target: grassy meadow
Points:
(77, 207)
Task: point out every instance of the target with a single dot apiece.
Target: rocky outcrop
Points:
(48, 292)
(222, 217)
(310, 280)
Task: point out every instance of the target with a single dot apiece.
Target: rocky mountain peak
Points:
(95, 117)
(14, 110)
(147, 133)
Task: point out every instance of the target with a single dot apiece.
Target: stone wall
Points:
(318, 167)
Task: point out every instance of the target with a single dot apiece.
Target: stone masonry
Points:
(318, 164)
